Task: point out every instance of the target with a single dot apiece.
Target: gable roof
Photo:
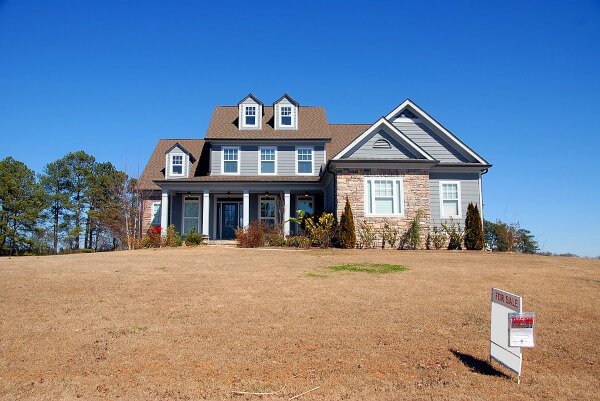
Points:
(453, 140)
(155, 168)
(177, 145)
(312, 124)
(289, 98)
(251, 96)
(384, 123)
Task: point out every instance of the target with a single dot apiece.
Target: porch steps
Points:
(223, 243)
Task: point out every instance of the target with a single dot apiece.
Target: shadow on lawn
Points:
(478, 365)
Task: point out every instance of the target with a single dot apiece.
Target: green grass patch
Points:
(372, 268)
(316, 275)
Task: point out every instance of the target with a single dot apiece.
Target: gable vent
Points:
(407, 114)
(382, 144)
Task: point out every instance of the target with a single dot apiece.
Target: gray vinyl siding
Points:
(469, 193)
(367, 151)
(431, 142)
(248, 159)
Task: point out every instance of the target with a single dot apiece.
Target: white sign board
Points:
(520, 329)
(504, 303)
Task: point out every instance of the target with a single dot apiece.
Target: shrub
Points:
(347, 233)
(152, 239)
(298, 241)
(412, 236)
(193, 238)
(366, 235)
(474, 238)
(321, 230)
(436, 238)
(67, 251)
(455, 234)
(275, 239)
(389, 234)
(253, 236)
(172, 238)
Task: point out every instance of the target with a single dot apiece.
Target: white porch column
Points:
(164, 213)
(246, 209)
(286, 212)
(205, 212)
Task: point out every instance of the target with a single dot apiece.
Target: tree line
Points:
(76, 204)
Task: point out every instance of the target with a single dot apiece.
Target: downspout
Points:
(481, 194)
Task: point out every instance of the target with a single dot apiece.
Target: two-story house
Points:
(260, 162)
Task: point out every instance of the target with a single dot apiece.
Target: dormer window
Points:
(286, 116)
(285, 111)
(176, 164)
(250, 113)
(250, 116)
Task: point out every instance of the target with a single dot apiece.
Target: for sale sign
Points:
(504, 303)
(520, 329)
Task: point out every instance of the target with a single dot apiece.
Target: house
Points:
(260, 162)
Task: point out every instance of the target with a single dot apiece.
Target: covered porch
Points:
(217, 211)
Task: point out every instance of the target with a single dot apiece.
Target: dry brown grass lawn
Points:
(200, 323)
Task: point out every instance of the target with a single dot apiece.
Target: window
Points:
(450, 199)
(250, 116)
(267, 210)
(286, 116)
(191, 214)
(267, 160)
(384, 196)
(231, 160)
(176, 164)
(155, 213)
(304, 161)
(305, 203)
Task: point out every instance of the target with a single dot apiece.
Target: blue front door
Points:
(229, 219)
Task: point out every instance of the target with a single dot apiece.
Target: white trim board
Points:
(312, 160)
(441, 196)
(403, 139)
(422, 114)
(260, 161)
(239, 159)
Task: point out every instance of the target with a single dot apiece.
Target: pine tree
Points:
(21, 201)
(57, 186)
(347, 233)
(474, 237)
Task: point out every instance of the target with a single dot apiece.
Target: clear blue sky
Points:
(519, 82)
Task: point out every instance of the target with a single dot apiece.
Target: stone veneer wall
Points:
(350, 182)
(147, 210)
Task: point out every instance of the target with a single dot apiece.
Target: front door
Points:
(229, 220)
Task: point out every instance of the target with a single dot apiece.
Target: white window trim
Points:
(398, 202)
(263, 199)
(441, 195)
(312, 160)
(153, 215)
(191, 199)
(259, 160)
(239, 159)
(256, 111)
(292, 116)
(171, 157)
